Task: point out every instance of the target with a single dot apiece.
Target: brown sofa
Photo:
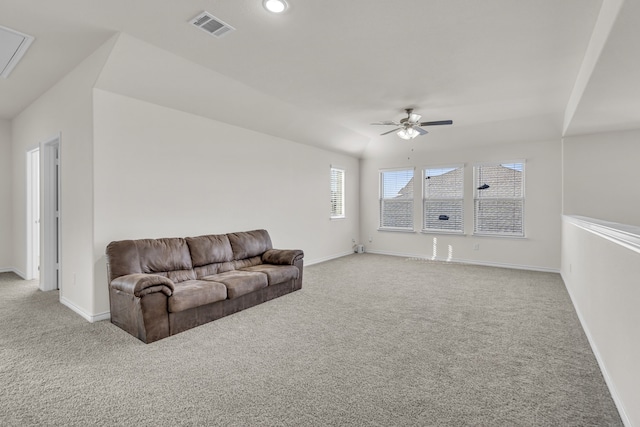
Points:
(160, 287)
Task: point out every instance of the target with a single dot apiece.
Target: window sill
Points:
(500, 236)
(337, 218)
(399, 230)
(454, 233)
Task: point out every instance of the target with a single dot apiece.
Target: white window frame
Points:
(337, 207)
(477, 198)
(426, 200)
(385, 200)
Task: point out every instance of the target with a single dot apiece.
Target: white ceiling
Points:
(502, 70)
(611, 100)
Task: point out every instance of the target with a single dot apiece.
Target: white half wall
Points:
(160, 172)
(601, 176)
(600, 268)
(6, 234)
(539, 250)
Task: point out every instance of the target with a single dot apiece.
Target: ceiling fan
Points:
(410, 126)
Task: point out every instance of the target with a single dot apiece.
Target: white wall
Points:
(600, 180)
(133, 169)
(601, 276)
(601, 175)
(6, 235)
(539, 250)
(160, 172)
(67, 109)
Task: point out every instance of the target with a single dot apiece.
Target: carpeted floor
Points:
(369, 340)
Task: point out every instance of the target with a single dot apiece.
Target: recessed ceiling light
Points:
(275, 6)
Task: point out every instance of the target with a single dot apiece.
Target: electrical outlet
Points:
(476, 246)
(353, 240)
(370, 239)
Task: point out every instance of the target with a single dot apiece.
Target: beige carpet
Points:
(369, 340)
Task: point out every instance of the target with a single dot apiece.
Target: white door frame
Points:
(50, 219)
(33, 214)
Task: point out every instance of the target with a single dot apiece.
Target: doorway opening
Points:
(50, 238)
(33, 214)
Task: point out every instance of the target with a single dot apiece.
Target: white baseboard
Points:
(13, 270)
(399, 254)
(507, 265)
(89, 317)
(607, 378)
(328, 258)
(470, 261)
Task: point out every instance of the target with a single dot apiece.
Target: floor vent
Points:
(211, 25)
(13, 46)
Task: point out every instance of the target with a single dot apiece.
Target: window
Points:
(337, 193)
(499, 199)
(396, 199)
(443, 199)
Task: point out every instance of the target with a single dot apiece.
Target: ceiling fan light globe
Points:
(403, 134)
(414, 118)
(407, 133)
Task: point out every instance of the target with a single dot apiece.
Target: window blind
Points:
(443, 199)
(337, 193)
(499, 199)
(396, 199)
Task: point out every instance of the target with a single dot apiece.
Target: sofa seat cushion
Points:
(276, 273)
(194, 293)
(240, 282)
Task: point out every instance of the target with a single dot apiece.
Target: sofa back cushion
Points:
(122, 258)
(248, 244)
(167, 257)
(211, 249)
(187, 259)
(210, 254)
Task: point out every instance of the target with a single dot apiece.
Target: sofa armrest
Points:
(282, 256)
(140, 284)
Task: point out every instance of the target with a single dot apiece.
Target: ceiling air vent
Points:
(13, 46)
(211, 25)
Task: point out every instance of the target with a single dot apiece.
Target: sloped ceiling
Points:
(611, 99)
(323, 71)
(143, 71)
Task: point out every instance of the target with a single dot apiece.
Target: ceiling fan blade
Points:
(440, 122)
(393, 130)
(420, 130)
(388, 122)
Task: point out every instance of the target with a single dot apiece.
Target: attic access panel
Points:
(13, 46)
